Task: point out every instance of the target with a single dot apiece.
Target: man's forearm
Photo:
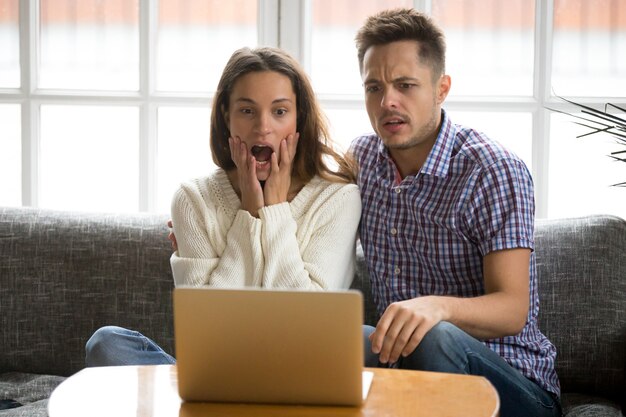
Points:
(488, 316)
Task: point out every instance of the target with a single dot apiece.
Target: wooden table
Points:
(151, 391)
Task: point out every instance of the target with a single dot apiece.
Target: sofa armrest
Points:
(581, 265)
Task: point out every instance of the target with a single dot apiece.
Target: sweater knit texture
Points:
(306, 244)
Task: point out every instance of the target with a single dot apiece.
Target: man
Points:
(446, 227)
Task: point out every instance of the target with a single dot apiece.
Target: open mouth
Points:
(394, 122)
(393, 125)
(262, 153)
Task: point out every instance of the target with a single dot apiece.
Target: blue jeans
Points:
(446, 348)
(112, 345)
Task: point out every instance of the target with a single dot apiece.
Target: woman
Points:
(273, 215)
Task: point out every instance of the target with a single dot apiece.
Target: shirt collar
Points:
(438, 161)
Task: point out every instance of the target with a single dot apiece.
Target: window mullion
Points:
(541, 118)
(148, 18)
(267, 22)
(294, 34)
(29, 33)
(30, 153)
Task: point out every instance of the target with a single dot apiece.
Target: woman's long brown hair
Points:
(314, 145)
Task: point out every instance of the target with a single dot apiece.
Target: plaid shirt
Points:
(427, 234)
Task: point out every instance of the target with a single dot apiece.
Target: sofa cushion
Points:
(581, 264)
(28, 392)
(580, 405)
(361, 282)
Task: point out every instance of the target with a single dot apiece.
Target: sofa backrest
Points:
(581, 265)
(63, 275)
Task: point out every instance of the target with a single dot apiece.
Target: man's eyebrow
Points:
(395, 80)
(371, 81)
(405, 79)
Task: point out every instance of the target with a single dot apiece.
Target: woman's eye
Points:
(246, 111)
(281, 112)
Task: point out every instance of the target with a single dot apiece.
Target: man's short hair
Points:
(405, 24)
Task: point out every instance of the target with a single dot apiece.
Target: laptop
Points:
(270, 346)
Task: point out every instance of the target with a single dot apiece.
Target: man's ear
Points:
(443, 88)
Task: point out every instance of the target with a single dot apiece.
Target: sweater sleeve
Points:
(322, 254)
(214, 249)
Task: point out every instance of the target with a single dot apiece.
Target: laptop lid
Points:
(269, 346)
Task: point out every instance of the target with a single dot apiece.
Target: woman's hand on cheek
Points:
(249, 186)
(277, 185)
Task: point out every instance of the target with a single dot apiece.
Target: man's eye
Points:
(371, 88)
(405, 86)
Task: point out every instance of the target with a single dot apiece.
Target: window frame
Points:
(286, 24)
(535, 105)
(147, 99)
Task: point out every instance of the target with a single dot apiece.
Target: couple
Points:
(446, 216)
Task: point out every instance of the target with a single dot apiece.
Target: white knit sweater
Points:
(308, 243)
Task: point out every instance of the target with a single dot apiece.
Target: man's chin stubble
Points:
(404, 145)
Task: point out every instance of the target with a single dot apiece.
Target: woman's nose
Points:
(264, 124)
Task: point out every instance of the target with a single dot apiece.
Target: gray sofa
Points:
(63, 275)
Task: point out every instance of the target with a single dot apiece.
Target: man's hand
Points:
(403, 326)
(171, 236)
(500, 312)
(278, 183)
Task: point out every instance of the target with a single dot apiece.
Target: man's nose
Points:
(389, 99)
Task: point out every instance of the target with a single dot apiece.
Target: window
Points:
(88, 162)
(10, 155)
(490, 46)
(335, 70)
(507, 61)
(89, 45)
(10, 112)
(183, 148)
(581, 173)
(589, 48)
(195, 38)
(9, 44)
(589, 63)
(113, 98)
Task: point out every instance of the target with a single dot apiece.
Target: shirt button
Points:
(398, 190)
(397, 270)
(394, 231)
